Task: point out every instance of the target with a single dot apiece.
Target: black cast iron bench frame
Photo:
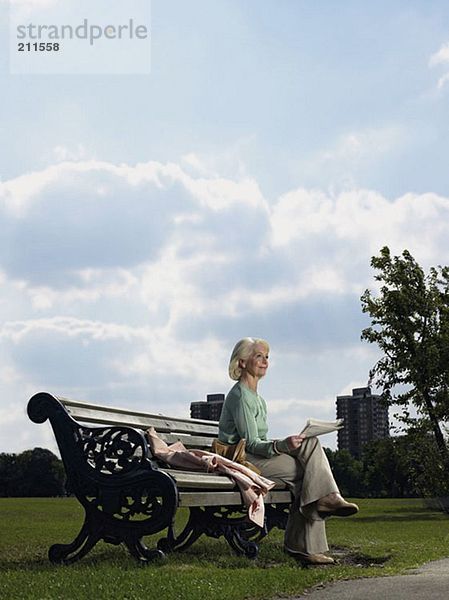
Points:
(126, 494)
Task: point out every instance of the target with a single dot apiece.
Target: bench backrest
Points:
(193, 433)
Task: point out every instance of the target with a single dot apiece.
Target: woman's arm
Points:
(252, 428)
(249, 426)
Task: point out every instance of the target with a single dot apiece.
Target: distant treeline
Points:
(33, 473)
(395, 467)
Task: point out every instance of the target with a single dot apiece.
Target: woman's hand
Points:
(294, 441)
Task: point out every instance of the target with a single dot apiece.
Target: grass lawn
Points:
(386, 537)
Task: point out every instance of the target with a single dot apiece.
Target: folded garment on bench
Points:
(253, 487)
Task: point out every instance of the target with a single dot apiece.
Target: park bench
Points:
(127, 494)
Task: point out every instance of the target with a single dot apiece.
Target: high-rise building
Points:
(210, 410)
(365, 419)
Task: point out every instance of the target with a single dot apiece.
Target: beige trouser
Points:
(307, 472)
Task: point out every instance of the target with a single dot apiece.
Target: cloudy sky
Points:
(149, 221)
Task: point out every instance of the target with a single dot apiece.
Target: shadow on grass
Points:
(113, 556)
(400, 517)
(111, 561)
(347, 557)
(210, 552)
(413, 509)
(36, 564)
(204, 553)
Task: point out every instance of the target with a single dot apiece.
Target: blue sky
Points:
(149, 221)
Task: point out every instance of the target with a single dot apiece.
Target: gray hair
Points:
(243, 350)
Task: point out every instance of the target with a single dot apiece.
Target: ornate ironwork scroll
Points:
(216, 521)
(124, 495)
(276, 515)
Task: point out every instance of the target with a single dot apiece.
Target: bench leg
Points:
(243, 539)
(93, 531)
(185, 539)
(70, 553)
(242, 535)
(139, 550)
(276, 515)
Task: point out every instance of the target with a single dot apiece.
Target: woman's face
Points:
(257, 364)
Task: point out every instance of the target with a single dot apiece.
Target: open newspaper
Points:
(316, 427)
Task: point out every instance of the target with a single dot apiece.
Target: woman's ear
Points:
(242, 363)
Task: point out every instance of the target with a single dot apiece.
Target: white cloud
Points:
(319, 228)
(64, 153)
(169, 281)
(198, 164)
(219, 193)
(94, 285)
(443, 80)
(70, 327)
(16, 194)
(307, 282)
(19, 194)
(148, 351)
(8, 374)
(76, 216)
(365, 144)
(157, 272)
(225, 161)
(354, 154)
(167, 357)
(362, 219)
(18, 433)
(300, 213)
(441, 57)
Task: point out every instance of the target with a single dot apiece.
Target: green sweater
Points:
(244, 416)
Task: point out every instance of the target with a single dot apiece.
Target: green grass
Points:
(387, 537)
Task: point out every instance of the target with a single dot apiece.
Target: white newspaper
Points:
(316, 427)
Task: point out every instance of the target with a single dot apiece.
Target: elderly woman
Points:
(295, 461)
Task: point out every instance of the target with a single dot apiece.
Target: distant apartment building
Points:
(210, 410)
(365, 417)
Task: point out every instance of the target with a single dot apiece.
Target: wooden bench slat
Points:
(91, 414)
(214, 481)
(189, 441)
(227, 498)
(116, 409)
(194, 480)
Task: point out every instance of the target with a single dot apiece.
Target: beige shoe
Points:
(335, 505)
(316, 559)
(311, 559)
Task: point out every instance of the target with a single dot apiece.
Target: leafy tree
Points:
(388, 468)
(36, 472)
(410, 324)
(393, 467)
(422, 459)
(7, 470)
(348, 472)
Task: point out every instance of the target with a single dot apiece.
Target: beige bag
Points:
(235, 452)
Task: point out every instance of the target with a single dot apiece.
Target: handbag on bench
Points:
(235, 452)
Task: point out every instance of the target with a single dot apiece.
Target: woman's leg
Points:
(318, 480)
(305, 531)
(304, 535)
